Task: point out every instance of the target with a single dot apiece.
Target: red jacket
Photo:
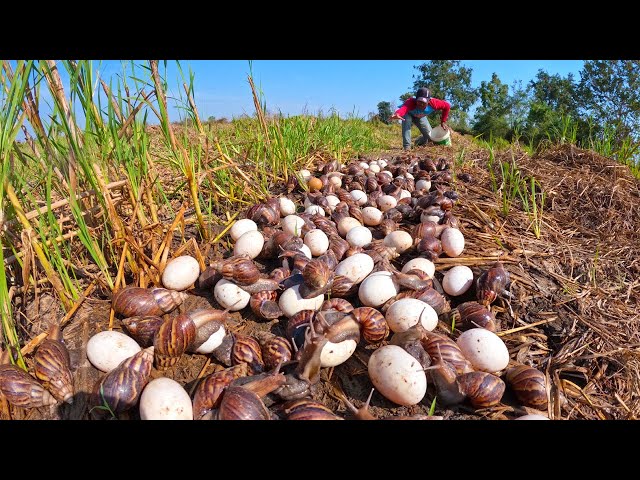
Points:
(409, 106)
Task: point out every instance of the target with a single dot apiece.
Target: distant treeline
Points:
(602, 106)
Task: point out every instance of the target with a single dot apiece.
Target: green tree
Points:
(449, 81)
(610, 92)
(384, 111)
(491, 115)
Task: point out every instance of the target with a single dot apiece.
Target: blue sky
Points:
(296, 86)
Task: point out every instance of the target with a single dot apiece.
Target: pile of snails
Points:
(354, 264)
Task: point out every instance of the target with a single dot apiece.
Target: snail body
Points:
(21, 389)
(529, 386)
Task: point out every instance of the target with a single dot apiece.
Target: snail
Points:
(247, 350)
(52, 366)
(136, 301)
(191, 330)
(143, 329)
(21, 389)
(275, 350)
(440, 347)
(363, 412)
(239, 269)
(374, 326)
(529, 386)
(339, 304)
(307, 409)
(318, 278)
(120, 389)
(471, 314)
(267, 213)
(264, 305)
(491, 283)
(244, 402)
(209, 391)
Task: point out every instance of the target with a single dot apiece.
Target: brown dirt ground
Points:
(573, 312)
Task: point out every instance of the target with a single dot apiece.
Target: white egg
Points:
(333, 354)
(305, 174)
(383, 163)
(291, 302)
(356, 267)
(375, 168)
(397, 375)
(231, 296)
(180, 273)
(317, 241)
(532, 416)
(386, 202)
(287, 207)
(371, 216)
(359, 197)
(213, 342)
(165, 399)
(457, 280)
(377, 288)
(484, 349)
(347, 223)
(452, 241)
(400, 240)
(424, 217)
(315, 210)
(407, 312)
(335, 178)
(359, 236)
(249, 243)
(388, 173)
(409, 175)
(306, 250)
(106, 350)
(293, 224)
(423, 184)
(420, 263)
(405, 194)
(332, 200)
(241, 227)
(364, 165)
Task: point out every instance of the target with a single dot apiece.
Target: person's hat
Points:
(423, 92)
(422, 99)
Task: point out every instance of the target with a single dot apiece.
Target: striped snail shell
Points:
(482, 389)
(275, 350)
(442, 348)
(53, 366)
(143, 329)
(318, 278)
(339, 304)
(239, 403)
(491, 283)
(247, 349)
(21, 389)
(373, 324)
(208, 393)
(471, 315)
(267, 213)
(264, 305)
(121, 388)
(136, 301)
(307, 409)
(239, 269)
(529, 386)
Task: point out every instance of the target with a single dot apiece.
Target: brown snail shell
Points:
(208, 393)
(136, 301)
(529, 386)
(338, 245)
(318, 278)
(339, 304)
(307, 409)
(239, 403)
(491, 283)
(276, 350)
(21, 389)
(267, 213)
(143, 329)
(264, 305)
(482, 389)
(247, 349)
(208, 278)
(374, 326)
(239, 269)
(53, 366)
(441, 348)
(121, 388)
(471, 315)
(343, 287)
